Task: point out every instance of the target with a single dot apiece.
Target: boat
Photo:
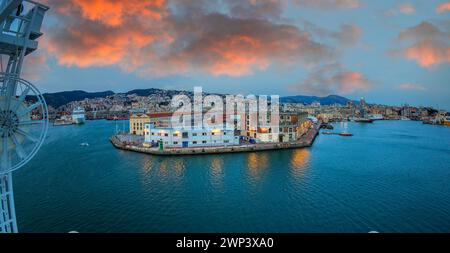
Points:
(376, 117)
(346, 134)
(327, 133)
(84, 144)
(363, 120)
(62, 122)
(404, 118)
(78, 115)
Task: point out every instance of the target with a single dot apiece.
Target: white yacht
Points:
(78, 115)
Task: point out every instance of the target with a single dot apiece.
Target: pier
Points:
(305, 141)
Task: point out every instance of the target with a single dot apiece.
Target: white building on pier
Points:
(204, 137)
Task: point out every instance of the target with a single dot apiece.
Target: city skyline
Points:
(391, 52)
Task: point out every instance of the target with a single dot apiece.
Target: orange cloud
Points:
(351, 81)
(407, 9)
(149, 38)
(426, 44)
(334, 79)
(444, 7)
(428, 53)
(329, 4)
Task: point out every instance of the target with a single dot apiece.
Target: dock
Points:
(305, 141)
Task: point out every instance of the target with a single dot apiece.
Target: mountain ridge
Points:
(58, 99)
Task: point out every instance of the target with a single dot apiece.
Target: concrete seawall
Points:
(305, 141)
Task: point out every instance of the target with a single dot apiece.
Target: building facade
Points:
(137, 123)
(292, 125)
(172, 138)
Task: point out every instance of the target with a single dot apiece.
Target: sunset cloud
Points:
(155, 38)
(334, 79)
(411, 87)
(444, 7)
(348, 35)
(426, 44)
(407, 9)
(328, 4)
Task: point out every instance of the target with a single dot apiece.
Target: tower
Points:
(23, 111)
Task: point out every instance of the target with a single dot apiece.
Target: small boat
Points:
(363, 120)
(346, 134)
(85, 144)
(328, 133)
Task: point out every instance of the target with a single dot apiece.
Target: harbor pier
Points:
(305, 141)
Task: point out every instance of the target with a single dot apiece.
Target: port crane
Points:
(23, 111)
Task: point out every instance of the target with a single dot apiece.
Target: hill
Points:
(61, 98)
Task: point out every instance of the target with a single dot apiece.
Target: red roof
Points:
(160, 115)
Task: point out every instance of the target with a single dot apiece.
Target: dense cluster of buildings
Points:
(150, 117)
(157, 129)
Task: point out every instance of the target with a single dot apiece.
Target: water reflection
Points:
(299, 162)
(163, 168)
(257, 163)
(216, 170)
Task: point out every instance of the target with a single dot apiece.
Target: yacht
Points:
(78, 115)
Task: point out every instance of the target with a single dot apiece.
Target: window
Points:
(194, 142)
(185, 135)
(204, 142)
(194, 134)
(226, 141)
(175, 143)
(166, 134)
(175, 135)
(224, 133)
(204, 134)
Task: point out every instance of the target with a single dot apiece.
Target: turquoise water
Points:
(391, 176)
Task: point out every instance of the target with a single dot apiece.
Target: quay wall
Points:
(306, 141)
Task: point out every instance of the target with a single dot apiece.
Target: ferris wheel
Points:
(23, 111)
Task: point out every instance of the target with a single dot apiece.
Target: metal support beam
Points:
(7, 7)
(8, 223)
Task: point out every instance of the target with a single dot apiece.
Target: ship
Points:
(362, 120)
(376, 117)
(78, 116)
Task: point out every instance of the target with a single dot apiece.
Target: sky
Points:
(390, 52)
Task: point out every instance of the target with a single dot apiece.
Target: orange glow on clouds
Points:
(112, 12)
(428, 53)
(148, 38)
(443, 8)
